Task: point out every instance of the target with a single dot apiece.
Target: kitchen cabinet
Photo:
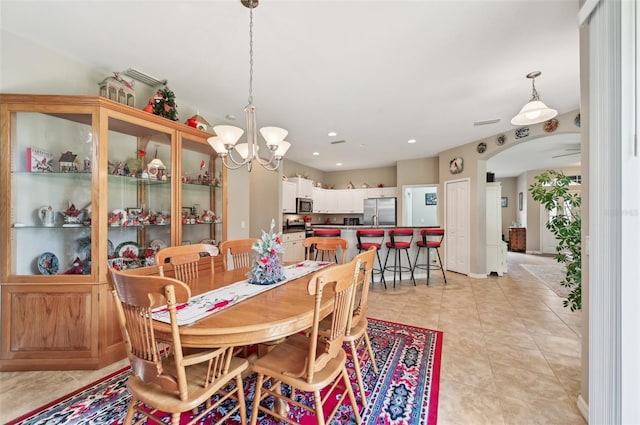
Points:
(305, 187)
(382, 192)
(319, 200)
(88, 183)
(496, 247)
(293, 246)
(289, 191)
(518, 239)
(338, 201)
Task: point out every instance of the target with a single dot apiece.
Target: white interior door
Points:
(457, 226)
(548, 242)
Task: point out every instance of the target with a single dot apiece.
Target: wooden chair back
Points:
(184, 379)
(135, 296)
(343, 279)
(187, 262)
(361, 292)
(240, 251)
(326, 249)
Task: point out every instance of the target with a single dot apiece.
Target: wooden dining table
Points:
(266, 317)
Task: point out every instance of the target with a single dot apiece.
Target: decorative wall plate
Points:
(551, 125)
(456, 165)
(48, 263)
(500, 140)
(482, 147)
(522, 132)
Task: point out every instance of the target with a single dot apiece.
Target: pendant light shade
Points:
(227, 136)
(535, 110)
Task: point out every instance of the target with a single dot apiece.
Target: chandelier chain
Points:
(250, 52)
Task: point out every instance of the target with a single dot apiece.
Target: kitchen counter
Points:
(349, 234)
(293, 231)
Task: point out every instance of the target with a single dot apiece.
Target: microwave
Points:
(304, 206)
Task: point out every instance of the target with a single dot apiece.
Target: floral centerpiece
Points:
(267, 265)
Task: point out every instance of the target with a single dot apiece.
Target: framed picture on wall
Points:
(431, 199)
(520, 201)
(504, 201)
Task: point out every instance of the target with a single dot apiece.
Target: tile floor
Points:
(511, 352)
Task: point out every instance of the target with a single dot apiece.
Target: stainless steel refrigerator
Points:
(380, 212)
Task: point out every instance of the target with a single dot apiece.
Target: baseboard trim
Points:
(477, 276)
(583, 408)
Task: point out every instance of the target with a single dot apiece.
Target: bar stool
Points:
(326, 233)
(366, 238)
(400, 240)
(431, 239)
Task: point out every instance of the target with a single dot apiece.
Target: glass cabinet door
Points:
(201, 194)
(51, 192)
(139, 194)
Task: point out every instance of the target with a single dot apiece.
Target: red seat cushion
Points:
(430, 244)
(398, 245)
(326, 232)
(367, 245)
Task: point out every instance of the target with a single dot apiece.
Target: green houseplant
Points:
(552, 190)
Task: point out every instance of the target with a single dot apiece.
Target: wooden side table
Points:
(517, 239)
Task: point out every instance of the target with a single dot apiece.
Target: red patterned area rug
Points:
(405, 391)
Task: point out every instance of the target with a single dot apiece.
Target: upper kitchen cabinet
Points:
(305, 187)
(89, 183)
(382, 192)
(289, 192)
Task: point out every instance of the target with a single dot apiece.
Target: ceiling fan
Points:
(575, 150)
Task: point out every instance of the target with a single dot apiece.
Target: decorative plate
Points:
(522, 132)
(551, 125)
(500, 140)
(111, 251)
(482, 147)
(157, 245)
(48, 263)
(129, 250)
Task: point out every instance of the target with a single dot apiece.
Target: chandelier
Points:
(227, 136)
(535, 110)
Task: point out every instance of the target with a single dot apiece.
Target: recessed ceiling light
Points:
(411, 141)
(316, 153)
(332, 134)
(339, 164)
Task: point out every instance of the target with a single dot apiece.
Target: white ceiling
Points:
(376, 72)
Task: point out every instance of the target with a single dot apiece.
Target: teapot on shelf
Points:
(47, 215)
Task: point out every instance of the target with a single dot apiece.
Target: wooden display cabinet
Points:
(61, 227)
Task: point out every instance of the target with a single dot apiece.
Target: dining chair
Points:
(187, 262)
(311, 362)
(240, 252)
(326, 249)
(356, 334)
(165, 377)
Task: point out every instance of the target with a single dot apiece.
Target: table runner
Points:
(205, 304)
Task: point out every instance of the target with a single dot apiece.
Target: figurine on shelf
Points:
(208, 216)
(72, 215)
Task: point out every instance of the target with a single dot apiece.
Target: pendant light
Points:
(535, 110)
(224, 143)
